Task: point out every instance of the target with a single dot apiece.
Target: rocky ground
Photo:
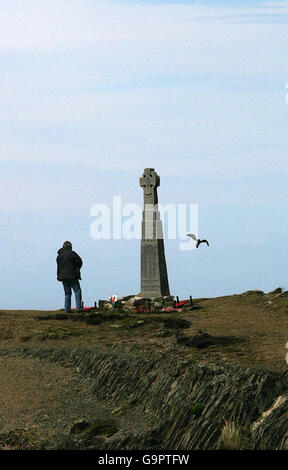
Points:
(112, 379)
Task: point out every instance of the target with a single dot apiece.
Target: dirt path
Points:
(44, 398)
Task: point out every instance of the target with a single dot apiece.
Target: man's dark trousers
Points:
(68, 285)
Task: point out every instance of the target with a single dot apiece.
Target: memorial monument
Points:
(154, 279)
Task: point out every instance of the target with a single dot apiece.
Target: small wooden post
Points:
(177, 299)
(191, 301)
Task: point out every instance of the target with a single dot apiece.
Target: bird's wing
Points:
(191, 235)
(205, 241)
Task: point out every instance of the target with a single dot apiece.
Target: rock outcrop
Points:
(186, 403)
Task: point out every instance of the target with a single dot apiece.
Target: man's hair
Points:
(67, 245)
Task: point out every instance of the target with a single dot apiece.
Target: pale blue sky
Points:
(92, 92)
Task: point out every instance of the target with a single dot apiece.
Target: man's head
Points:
(67, 245)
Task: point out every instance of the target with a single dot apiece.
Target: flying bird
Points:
(198, 241)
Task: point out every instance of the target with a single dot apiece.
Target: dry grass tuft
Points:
(230, 438)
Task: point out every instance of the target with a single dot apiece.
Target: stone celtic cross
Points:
(150, 181)
(154, 279)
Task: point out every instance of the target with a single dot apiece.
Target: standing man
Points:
(68, 272)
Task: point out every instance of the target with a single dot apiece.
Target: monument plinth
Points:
(154, 278)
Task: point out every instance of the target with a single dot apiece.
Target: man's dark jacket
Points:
(68, 264)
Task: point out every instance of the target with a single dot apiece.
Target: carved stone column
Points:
(154, 278)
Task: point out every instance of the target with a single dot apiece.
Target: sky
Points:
(94, 91)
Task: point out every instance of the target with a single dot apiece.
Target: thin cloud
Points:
(98, 82)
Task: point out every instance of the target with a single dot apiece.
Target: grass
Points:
(60, 332)
(234, 437)
(31, 385)
(260, 321)
(230, 437)
(197, 409)
(100, 426)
